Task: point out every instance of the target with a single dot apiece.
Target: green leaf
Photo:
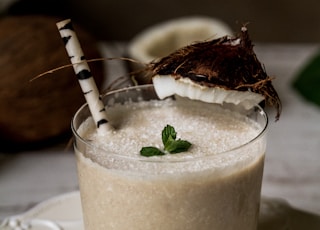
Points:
(168, 133)
(151, 151)
(307, 81)
(171, 145)
(178, 146)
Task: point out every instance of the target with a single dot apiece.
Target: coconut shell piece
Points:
(227, 63)
(33, 114)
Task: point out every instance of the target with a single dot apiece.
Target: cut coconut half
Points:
(223, 70)
(164, 38)
(167, 85)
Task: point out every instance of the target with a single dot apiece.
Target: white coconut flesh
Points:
(167, 85)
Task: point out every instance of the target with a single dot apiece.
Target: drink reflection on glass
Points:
(216, 184)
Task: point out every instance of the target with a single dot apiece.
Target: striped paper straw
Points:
(83, 73)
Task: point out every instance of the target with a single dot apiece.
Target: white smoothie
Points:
(215, 185)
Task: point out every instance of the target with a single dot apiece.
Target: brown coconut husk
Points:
(228, 63)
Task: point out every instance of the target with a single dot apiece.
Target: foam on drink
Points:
(211, 129)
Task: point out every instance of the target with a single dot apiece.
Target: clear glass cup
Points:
(219, 197)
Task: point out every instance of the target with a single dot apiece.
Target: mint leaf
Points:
(151, 151)
(168, 134)
(177, 146)
(171, 145)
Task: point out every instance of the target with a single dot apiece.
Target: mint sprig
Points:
(171, 145)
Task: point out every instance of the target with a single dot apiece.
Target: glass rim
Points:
(160, 159)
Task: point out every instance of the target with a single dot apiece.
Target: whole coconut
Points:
(34, 113)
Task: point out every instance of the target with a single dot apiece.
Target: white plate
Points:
(64, 213)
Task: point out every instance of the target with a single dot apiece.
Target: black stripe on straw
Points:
(87, 92)
(84, 74)
(66, 39)
(67, 26)
(102, 121)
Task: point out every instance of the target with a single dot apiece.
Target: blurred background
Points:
(36, 115)
(270, 21)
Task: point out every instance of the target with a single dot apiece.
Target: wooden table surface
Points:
(292, 167)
